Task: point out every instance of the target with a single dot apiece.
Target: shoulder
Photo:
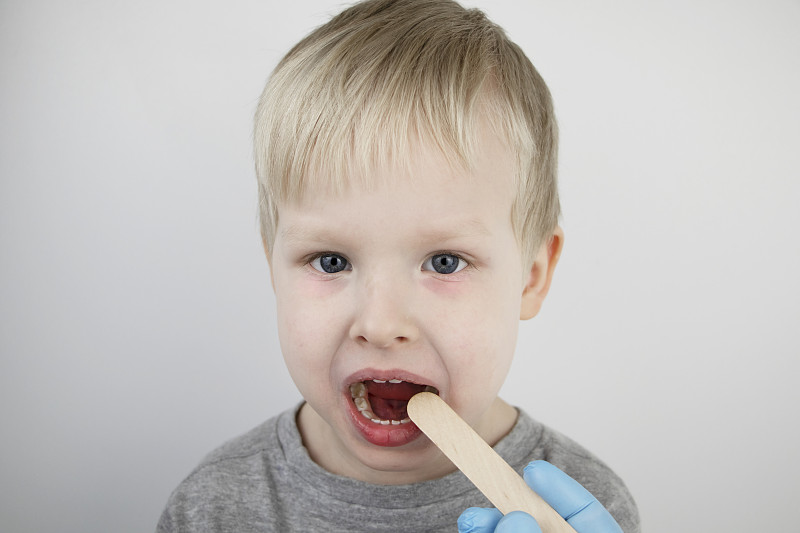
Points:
(586, 468)
(215, 495)
(241, 449)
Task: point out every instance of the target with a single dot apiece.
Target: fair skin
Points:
(418, 279)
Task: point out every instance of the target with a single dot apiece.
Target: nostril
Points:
(383, 343)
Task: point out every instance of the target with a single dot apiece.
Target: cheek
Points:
(312, 321)
(305, 350)
(306, 307)
(301, 329)
(478, 335)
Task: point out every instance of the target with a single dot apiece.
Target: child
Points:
(406, 160)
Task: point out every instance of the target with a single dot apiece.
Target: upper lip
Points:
(385, 375)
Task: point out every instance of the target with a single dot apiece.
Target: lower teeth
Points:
(359, 393)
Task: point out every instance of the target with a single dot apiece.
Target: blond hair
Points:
(356, 92)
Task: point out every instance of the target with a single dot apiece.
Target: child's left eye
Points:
(444, 263)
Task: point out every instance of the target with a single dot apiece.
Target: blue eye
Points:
(444, 263)
(330, 263)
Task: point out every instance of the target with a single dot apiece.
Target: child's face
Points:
(418, 280)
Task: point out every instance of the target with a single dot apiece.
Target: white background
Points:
(136, 318)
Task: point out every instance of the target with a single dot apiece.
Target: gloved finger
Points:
(570, 499)
(517, 522)
(478, 520)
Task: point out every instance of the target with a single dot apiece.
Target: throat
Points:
(388, 409)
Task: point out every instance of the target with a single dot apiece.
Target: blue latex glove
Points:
(568, 497)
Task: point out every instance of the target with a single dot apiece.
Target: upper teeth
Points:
(390, 381)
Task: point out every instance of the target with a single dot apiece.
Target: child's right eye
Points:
(330, 263)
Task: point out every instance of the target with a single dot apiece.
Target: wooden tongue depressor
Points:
(480, 463)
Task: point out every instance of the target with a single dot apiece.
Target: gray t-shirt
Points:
(265, 481)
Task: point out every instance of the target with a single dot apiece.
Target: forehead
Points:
(425, 192)
(417, 163)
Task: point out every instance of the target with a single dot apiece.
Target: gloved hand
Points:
(568, 497)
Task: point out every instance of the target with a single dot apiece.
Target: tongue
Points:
(389, 400)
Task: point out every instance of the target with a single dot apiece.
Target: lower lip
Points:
(379, 434)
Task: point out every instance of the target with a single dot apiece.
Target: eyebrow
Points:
(467, 228)
(304, 233)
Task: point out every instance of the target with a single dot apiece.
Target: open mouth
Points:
(385, 402)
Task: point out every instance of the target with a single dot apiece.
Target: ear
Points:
(540, 275)
(269, 262)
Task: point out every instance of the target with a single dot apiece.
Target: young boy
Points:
(406, 160)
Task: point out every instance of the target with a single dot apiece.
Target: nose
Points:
(384, 317)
